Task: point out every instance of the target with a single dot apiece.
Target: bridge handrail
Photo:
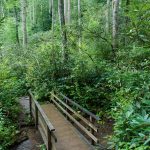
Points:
(49, 127)
(80, 107)
(66, 109)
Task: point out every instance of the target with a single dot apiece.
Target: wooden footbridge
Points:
(63, 124)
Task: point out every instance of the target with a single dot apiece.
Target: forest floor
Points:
(33, 140)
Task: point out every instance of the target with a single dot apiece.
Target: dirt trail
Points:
(34, 138)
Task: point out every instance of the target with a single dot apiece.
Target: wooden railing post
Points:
(92, 131)
(67, 109)
(49, 142)
(52, 97)
(36, 117)
(30, 105)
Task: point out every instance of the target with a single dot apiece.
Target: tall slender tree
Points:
(24, 26)
(69, 12)
(52, 14)
(66, 10)
(33, 11)
(2, 13)
(127, 11)
(30, 14)
(126, 19)
(79, 24)
(17, 24)
(63, 30)
(107, 16)
(115, 24)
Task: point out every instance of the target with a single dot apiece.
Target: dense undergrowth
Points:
(111, 90)
(116, 90)
(11, 87)
(112, 87)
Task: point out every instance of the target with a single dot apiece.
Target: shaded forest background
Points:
(96, 52)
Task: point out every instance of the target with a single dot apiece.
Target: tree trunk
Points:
(33, 14)
(115, 24)
(126, 19)
(2, 14)
(69, 11)
(42, 17)
(17, 25)
(66, 11)
(52, 16)
(24, 28)
(30, 14)
(63, 31)
(51, 12)
(79, 24)
(107, 16)
(127, 11)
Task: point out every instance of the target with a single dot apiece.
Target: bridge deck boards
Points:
(67, 136)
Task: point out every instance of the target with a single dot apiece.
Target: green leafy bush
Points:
(7, 131)
(131, 111)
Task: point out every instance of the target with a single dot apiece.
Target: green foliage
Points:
(138, 22)
(8, 31)
(42, 147)
(115, 87)
(12, 86)
(42, 18)
(7, 130)
(131, 112)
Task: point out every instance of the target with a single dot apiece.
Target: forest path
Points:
(68, 137)
(34, 138)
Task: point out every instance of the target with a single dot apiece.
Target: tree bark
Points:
(17, 25)
(69, 12)
(115, 24)
(63, 31)
(33, 13)
(30, 13)
(42, 16)
(24, 26)
(126, 19)
(127, 11)
(2, 14)
(51, 12)
(107, 16)
(79, 24)
(66, 11)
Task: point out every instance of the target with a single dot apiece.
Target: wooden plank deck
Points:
(67, 136)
